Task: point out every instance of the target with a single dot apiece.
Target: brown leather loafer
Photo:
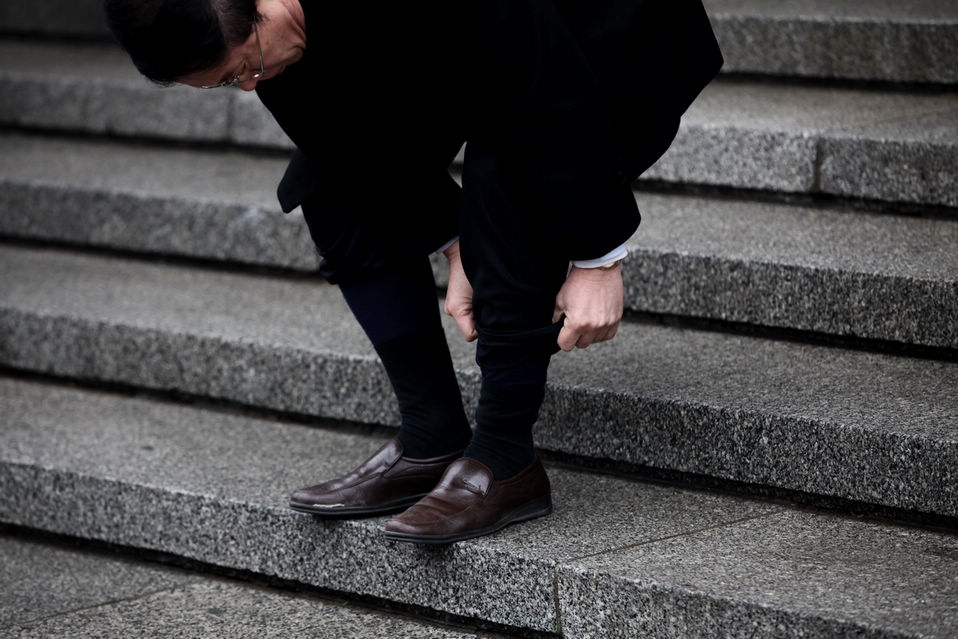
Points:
(468, 503)
(385, 483)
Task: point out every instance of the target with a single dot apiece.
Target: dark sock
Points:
(420, 370)
(399, 311)
(504, 419)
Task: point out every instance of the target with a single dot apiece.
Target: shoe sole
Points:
(531, 510)
(357, 511)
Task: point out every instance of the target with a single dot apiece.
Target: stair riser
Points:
(82, 18)
(136, 109)
(156, 225)
(616, 609)
(848, 50)
(833, 302)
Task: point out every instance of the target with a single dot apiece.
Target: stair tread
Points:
(862, 426)
(212, 486)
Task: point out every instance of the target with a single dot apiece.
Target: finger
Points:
(567, 338)
(605, 335)
(467, 325)
(557, 314)
(602, 334)
(586, 340)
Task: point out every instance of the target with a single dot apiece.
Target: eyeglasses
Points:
(236, 79)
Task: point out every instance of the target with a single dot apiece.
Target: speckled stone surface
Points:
(792, 574)
(912, 160)
(218, 206)
(862, 426)
(811, 139)
(828, 270)
(99, 91)
(251, 124)
(209, 333)
(55, 591)
(213, 486)
(909, 41)
(738, 134)
(46, 580)
(53, 18)
(833, 271)
(215, 609)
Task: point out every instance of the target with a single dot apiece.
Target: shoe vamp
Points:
(444, 513)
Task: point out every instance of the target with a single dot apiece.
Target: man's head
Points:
(172, 39)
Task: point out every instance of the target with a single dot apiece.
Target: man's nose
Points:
(249, 85)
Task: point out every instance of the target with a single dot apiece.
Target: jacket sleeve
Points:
(538, 103)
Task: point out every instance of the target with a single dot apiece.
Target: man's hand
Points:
(459, 295)
(591, 302)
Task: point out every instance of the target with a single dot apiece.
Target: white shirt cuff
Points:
(446, 245)
(614, 255)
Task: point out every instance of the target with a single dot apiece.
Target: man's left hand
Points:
(591, 302)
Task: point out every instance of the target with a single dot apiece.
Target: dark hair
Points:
(168, 39)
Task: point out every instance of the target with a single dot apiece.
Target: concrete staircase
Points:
(768, 448)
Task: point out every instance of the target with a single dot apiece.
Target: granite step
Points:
(877, 430)
(64, 591)
(615, 559)
(915, 41)
(153, 200)
(879, 145)
(827, 270)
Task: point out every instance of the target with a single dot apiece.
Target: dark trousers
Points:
(508, 250)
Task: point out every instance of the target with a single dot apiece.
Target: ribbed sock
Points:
(504, 419)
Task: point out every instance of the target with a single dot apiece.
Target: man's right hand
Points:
(459, 295)
(590, 306)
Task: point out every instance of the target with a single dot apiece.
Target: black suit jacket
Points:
(568, 92)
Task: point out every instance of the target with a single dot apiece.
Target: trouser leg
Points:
(380, 262)
(512, 250)
(516, 274)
